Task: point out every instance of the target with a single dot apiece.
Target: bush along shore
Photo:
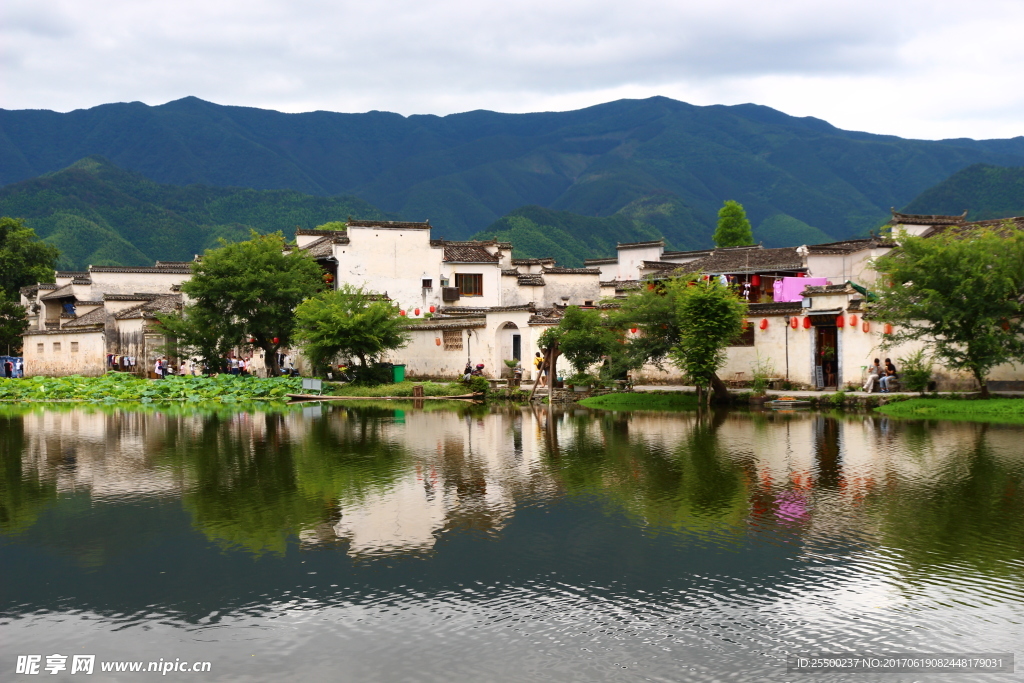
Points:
(119, 386)
(642, 401)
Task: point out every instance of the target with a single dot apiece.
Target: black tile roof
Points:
(745, 260)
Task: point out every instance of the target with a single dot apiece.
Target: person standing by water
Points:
(158, 369)
(538, 362)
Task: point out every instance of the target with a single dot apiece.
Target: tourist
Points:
(875, 373)
(890, 375)
(538, 363)
(467, 374)
(158, 369)
(8, 369)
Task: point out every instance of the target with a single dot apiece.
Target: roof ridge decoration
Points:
(559, 270)
(176, 270)
(926, 219)
(639, 245)
(394, 225)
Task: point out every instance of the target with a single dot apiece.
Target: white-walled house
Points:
(100, 319)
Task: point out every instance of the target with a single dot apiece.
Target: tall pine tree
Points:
(733, 227)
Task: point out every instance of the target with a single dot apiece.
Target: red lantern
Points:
(794, 322)
(275, 340)
(633, 330)
(756, 280)
(437, 340)
(840, 321)
(251, 340)
(432, 309)
(764, 321)
(865, 326)
(887, 329)
(800, 275)
(745, 323)
(807, 323)
(328, 278)
(853, 321)
(417, 311)
(402, 313)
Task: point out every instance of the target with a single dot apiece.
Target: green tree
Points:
(245, 291)
(584, 337)
(13, 323)
(24, 260)
(733, 227)
(349, 322)
(962, 295)
(333, 225)
(709, 316)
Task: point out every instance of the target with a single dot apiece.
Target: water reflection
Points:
(683, 536)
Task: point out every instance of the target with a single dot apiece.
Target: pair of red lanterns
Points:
(272, 341)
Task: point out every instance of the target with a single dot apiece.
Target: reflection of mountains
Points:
(387, 481)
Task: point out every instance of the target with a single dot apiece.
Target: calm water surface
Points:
(370, 544)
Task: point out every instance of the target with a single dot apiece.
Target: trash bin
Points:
(399, 373)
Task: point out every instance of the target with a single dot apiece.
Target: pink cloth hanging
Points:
(792, 287)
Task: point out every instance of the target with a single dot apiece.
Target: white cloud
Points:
(915, 68)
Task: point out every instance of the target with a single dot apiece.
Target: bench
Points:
(497, 383)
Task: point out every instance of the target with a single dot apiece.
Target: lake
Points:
(440, 543)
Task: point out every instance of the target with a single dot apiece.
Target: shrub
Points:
(915, 371)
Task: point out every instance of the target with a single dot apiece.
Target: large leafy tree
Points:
(348, 322)
(960, 293)
(24, 260)
(733, 227)
(709, 316)
(245, 291)
(13, 323)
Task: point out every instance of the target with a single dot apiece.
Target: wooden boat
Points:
(788, 402)
(314, 397)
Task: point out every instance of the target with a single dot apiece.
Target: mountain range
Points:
(476, 171)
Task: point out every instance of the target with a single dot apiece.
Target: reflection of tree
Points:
(346, 456)
(693, 485)
(971, 513)
(255, 485)
(21, 497)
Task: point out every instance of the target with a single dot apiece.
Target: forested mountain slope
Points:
(98, 214)
(465, 171)
(983, 191)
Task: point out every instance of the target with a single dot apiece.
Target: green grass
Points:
(1010, 410)
(642, 401)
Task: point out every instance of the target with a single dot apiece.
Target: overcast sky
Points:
(917, 68)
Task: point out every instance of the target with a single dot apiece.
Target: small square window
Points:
(452, 340)
(428, 283)
(39, 348)
(588, 303)
(74, 347)
(56, 347)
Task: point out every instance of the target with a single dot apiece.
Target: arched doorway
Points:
(509, 345)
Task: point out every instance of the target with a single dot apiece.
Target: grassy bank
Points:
(992, 410)
(118, 386)
(642, 401)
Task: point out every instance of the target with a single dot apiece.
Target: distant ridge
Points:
(466, 171)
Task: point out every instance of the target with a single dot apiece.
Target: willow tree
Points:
(960, 294)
